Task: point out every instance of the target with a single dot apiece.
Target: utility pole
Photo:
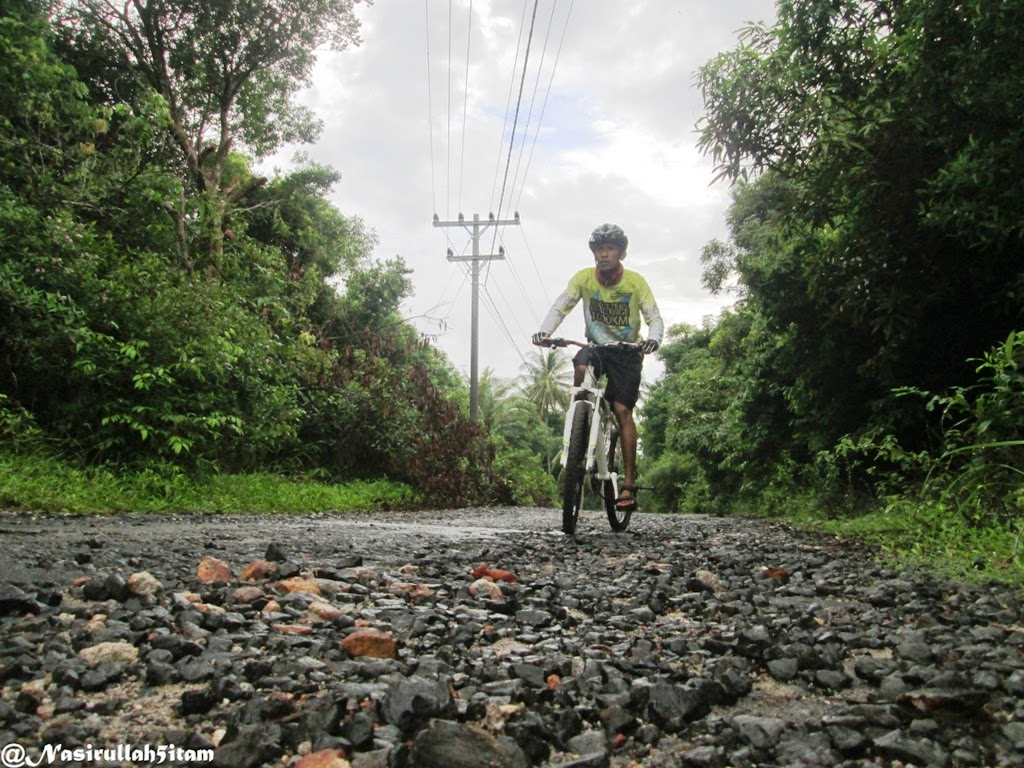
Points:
(476, 229)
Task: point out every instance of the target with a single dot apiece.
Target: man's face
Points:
(607, 257)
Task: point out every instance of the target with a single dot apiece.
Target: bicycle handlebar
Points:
(552, 341)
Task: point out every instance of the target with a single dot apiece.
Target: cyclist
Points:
(616, 299)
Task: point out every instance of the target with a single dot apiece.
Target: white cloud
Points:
(616, 143)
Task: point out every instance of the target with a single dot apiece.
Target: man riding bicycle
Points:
(616, 300)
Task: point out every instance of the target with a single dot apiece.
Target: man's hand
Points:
(649, 347)
(540, 337)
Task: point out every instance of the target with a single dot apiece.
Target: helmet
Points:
(608, 234)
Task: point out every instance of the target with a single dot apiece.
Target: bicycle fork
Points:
(597, 459)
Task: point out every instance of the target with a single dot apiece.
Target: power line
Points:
(492, 310)
(514, 315)
(547, 94)
(533, 99)
(448, 158)
(515, 120)
(508, 106)
(540, 120)
(536, 270)
(465, 102)
(430, 112)
(508, 188)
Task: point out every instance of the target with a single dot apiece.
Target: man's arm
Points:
(561, 308)
(652, 316)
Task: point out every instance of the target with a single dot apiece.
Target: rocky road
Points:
(487, 638)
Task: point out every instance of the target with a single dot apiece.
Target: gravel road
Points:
(487, 638)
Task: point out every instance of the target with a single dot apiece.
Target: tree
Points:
(227, 74)
(879, 241)
(544, 380)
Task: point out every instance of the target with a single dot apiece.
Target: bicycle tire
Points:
(575, 467)
(617, 519)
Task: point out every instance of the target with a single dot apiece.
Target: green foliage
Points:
(36, 480)
(522, 478)
(155, 325)
(980, 471)
(227, 74)
(874, 250)
(926, 532)
(544, 380)
(880, 240)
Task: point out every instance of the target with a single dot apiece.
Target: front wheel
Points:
(575, 468)
(617, 518)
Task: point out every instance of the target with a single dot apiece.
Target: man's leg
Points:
(627, 439)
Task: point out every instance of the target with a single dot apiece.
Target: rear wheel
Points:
(618, 519)
(575, 467)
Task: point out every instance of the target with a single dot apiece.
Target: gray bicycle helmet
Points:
(608, 234)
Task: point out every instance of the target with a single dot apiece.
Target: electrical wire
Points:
(492, 310)
(529, 118)
(430, 113)
(547, 95)
(519, 283)
(519, 100)
(508, 106)
(465, 103)
(533, 100)
(448, 158)
(508, 191)
(536, 270)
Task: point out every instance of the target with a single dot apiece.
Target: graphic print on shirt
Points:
(614, 314)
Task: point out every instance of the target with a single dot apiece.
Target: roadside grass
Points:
(36, 482)
(928, 534)
(931, 535)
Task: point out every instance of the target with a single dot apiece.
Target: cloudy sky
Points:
(605, 134)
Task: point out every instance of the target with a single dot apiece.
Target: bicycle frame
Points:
(589, 440)
(602, 426)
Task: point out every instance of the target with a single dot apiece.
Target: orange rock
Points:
(257, 569)
(499, 574)
(495, 574)
(324, 611)
(293, 629)
(371, 643)
(553, 682)
(298, 584)
(780, 575)
(480, 571)
(246, 595)
(325, 758)
(213, 571)
(619, 740)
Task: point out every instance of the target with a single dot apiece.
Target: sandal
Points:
(626, 504)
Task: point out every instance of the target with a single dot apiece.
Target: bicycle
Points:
(588, 445)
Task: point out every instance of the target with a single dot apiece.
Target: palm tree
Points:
(493, 399)
(545, 379)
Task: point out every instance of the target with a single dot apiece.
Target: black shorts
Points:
(622, 366)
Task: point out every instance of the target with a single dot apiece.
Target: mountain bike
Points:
(589, 441)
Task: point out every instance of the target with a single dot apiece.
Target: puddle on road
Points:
(436, 530)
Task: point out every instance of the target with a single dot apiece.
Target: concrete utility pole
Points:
(476, 229)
